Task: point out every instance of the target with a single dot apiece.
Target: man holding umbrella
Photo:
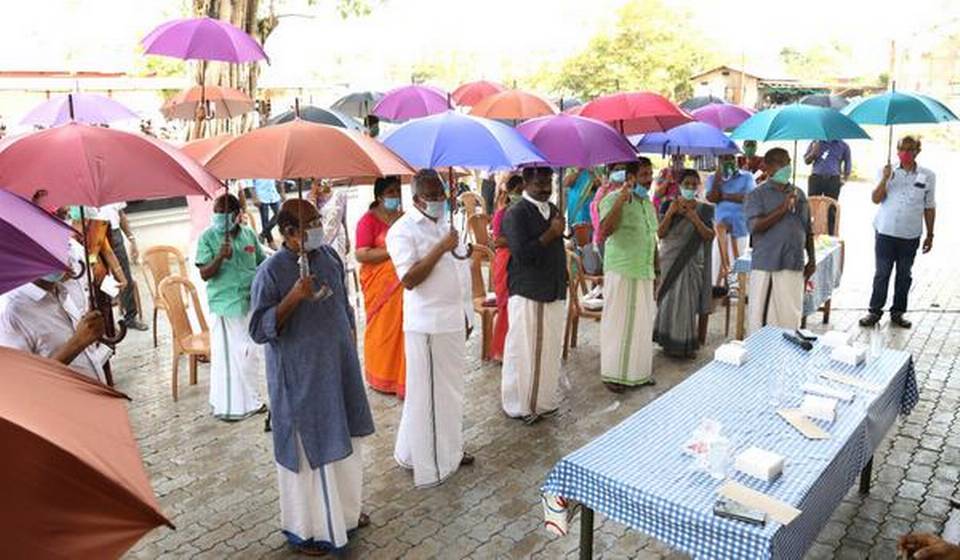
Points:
(778, 215)
(907, 203)
(831, 168)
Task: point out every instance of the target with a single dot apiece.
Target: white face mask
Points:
(313, 239)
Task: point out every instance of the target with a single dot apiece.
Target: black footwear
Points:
(900, 321)
(614, 387)
(467, 459)
(136, 324)
(363, 521)
(870, 319)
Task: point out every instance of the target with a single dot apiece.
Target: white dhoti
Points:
(626, 330)
(785, 307)
(531, 357)
(234, 368)
(430, 436)
(319, 508)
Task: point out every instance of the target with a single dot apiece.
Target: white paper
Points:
(825, 391)
(110, 286)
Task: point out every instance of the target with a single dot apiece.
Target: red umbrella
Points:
(205, 148)
(636, 112)
(94, 166)
(513, 104)
(471, 93)
(72, 480)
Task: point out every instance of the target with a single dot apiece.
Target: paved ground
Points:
(216, 481)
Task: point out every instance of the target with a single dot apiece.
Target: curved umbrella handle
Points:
(117, 337)
(79, 275)
(464, 256)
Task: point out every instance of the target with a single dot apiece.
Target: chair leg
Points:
(702, 328)
(566, 336)
(826, 312)
(176, 366)
(155, 311)
(193, 369)
(726, 321)
(575, 331)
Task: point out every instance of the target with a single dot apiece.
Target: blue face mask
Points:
(783, 174)
(221, 221)
(436, 209)
(391, 204)
(55, 277)
(640, 191)
(688, 194)
(618, 176)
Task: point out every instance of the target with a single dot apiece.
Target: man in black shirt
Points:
(537, 275)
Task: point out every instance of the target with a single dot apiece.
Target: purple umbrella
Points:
(570, 140)
(203, 39)
(87, 108)
(32, 242)
(411, 102)
(722, 115)
(694, 138)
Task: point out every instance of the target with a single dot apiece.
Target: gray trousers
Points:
(127, 301)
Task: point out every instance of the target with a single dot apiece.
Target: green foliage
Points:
(352, 8)
(823, 62)
(650, 49)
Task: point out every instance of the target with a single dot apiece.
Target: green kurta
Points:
(228, 293)
(630, 250)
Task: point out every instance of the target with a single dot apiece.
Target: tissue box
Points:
(733, 353)
(760, 463)
(850, 355)
(821, 408)
(825, 391)
(832, 339)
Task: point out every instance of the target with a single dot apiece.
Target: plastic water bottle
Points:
(877, 342)
(719, 457)
(776, 385)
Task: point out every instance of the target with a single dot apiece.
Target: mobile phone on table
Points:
(806, 334)
(733, 510)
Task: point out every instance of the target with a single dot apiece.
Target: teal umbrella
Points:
(899, 107)
(798, 122)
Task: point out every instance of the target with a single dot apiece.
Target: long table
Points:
(638, 475)
(829, 251)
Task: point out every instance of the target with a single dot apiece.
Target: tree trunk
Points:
(243, 14)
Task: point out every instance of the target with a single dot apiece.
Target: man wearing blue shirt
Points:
(906, 196)
(832, 165)
(266, 197)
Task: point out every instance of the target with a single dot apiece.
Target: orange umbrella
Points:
(300, 149)
(513, 104)
(205, 148)
(471, 93)
(221, 103)
(72, 480)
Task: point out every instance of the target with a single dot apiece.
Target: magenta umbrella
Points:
(411, 102)
(87, 108)
(203, 39)
(724, 116)
(570, 140)
(32, 242)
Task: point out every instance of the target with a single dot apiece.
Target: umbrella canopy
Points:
(205, 148)
(798, 122)
(513, 104)
(94, 166)
(72, 479)
(203, 39)
(722, 115)
(823, 100)
(471, 93)
(87, 108)
(568, 140)
(300, 150)
(411, 102)
(224, 103)
(898, 107)
(32, 242)
(357, 104)
(696, 138)
(453, 139)
(701, 101)
(317, 115)
(636, 112)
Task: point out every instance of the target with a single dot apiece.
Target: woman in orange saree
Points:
(501, 258)
(383, 355)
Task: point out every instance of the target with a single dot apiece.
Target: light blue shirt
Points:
(266, 190)
(908, 195)
(729, 212)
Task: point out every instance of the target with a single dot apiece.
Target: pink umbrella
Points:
(471, 93)
(569, 140)
(87, 107)
(636, 112)
(203, 39)
(88, 165)
(724, 116)
(411, 102)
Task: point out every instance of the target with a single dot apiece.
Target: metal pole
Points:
(586, 533)
(893, 89)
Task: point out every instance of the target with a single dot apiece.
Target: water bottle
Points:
(719, 457)
(776, 385)
(877, 342)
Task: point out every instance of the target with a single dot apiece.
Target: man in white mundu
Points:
(778, 215)
(537, 277)
(430, 436)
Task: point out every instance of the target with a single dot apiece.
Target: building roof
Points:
(723, 67)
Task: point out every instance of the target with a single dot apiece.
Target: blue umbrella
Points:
(695, 139)
(452, 139)
(898, 107)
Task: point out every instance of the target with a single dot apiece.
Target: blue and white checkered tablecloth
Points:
(824, 280)
(637, 473)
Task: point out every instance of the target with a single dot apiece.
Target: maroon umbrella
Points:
(471, 93)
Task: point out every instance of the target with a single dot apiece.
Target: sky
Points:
(497, 39)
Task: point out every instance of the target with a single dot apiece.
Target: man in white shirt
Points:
(48, 318)
(430, 437)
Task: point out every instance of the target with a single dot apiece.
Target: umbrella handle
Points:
(464, 256)
(79, 275)
(117, 336)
